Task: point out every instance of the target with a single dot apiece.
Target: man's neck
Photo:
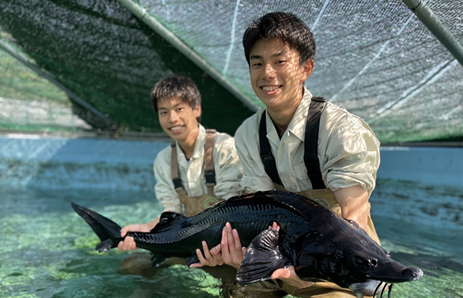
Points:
(188, 145)
(282, 117)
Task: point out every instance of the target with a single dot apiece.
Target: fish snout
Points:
(412, 273)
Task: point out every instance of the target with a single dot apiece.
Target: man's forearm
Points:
(354, 204)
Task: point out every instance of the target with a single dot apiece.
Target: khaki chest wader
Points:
(194, 205)
(140, 264)
(320, 193)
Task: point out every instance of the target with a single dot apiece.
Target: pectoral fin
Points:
(262, 258)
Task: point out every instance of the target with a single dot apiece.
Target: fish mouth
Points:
(374, 286)
(367, 288)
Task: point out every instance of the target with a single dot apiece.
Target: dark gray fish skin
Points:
(319, 244)
(180, 236)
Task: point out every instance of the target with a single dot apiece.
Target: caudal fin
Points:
(108, 231)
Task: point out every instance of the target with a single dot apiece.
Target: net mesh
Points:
(374, 58)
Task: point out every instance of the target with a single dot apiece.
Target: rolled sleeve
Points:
(228, 169)
(352, 156)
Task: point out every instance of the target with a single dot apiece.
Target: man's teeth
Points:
(270, 88)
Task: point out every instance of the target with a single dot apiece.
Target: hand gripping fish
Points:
(317, 242)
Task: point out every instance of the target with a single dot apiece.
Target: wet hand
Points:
(210, 258)
(289, 275)
(128, 243)
(232, 250)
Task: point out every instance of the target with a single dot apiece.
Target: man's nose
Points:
(173, 117)
(269, 71)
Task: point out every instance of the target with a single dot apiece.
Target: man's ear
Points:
(307, 69)
(197, 111)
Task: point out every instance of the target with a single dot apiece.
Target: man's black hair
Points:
(176, 87)
(284, 26)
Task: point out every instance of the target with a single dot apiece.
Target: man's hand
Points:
(229, 251)
(129, 243)
(211, 257)
(232, 250)
(289, 275)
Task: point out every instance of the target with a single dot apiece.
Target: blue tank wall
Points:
(423, 185)
(429, 165)
(78, 162)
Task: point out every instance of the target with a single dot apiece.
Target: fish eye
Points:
(374, 262)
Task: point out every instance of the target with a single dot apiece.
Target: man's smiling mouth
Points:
(270, 88)
(175, 128)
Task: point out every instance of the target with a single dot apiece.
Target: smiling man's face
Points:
(178, 119)
(277, 77)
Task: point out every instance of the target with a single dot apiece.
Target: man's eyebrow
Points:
(179, 104)
(278, 54)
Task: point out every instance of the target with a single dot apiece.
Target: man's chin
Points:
(176, 136)
(269, 102)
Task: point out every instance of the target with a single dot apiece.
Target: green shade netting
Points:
(374, 58)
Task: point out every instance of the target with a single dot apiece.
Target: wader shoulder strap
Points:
(208, 161)
(208, 157)
(317, 105)
(174, 167)
(266, 153)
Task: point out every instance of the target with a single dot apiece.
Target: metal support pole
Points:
(141, 13)
(74, 97)
(430, 20)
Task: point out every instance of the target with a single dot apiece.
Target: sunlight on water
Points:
(48, 251)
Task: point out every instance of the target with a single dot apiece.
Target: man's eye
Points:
(257, 64)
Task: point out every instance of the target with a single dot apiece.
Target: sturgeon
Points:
(317, 242)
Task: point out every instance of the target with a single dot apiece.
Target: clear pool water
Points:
(48, 251)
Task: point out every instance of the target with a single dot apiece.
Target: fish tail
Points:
(108, 231)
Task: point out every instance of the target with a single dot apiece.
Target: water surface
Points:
(48, 251)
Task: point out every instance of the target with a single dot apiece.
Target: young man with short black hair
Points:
(301, 143)
(199, 168)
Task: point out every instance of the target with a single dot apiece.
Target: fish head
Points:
(369, 261)
(352, 258)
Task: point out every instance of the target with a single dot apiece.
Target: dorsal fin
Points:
(264, 197)
(167, 221)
